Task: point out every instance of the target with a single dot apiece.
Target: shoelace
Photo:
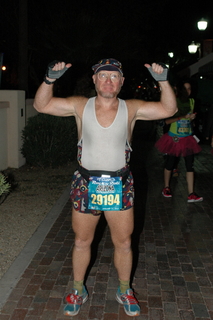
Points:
(74, 299)
(130, 299)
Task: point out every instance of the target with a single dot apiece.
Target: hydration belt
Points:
(86, 174)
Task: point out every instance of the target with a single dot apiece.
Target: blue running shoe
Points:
(130, 303)
(74, 302)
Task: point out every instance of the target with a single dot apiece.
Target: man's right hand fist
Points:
(56, 69)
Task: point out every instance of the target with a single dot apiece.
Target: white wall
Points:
(12, 122)
(3, 134)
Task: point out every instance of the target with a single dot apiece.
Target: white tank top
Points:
(104, 148)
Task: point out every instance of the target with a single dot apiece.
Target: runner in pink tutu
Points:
(180, 141)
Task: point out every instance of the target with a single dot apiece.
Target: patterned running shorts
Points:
(79, 194)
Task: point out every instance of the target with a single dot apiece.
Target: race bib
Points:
(183, 127)
(105, 193)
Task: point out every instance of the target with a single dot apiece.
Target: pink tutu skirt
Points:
(176, 146)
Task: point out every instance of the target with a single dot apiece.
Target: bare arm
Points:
(45, 102)
(190, 116)
(151, 110)
(171, 120)
(162, 109)
(167, 104)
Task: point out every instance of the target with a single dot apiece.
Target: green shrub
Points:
(4, 185)
(49, 141)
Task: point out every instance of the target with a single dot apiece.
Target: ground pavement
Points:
(173, 254)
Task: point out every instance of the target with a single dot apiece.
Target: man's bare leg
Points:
(84, 226)
(121, 227)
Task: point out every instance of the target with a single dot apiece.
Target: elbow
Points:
(37, 107)
(175, 106)
(169, 112)
(176, 110)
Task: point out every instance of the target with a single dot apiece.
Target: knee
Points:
(82, 244)
(123, 243)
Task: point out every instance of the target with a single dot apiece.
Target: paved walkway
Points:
(173, 254)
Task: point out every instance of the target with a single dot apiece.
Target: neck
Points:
(108, 102)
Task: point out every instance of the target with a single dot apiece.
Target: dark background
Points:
(35, 32)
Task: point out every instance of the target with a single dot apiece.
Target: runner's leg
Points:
(84, 226)
(121, 228)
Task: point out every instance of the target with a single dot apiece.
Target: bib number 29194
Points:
(105, 193)
(105, 200)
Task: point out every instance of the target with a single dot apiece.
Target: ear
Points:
(93, 78)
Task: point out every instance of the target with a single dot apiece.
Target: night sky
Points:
(83, 32)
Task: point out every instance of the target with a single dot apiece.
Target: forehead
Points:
(109, 72)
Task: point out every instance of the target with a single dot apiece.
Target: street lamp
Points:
(193, 47)
(202, 24)
(171, 54)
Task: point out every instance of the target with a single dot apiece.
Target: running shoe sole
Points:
(193, 200)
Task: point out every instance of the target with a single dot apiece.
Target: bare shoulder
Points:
(77, 103)
(133, 105)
